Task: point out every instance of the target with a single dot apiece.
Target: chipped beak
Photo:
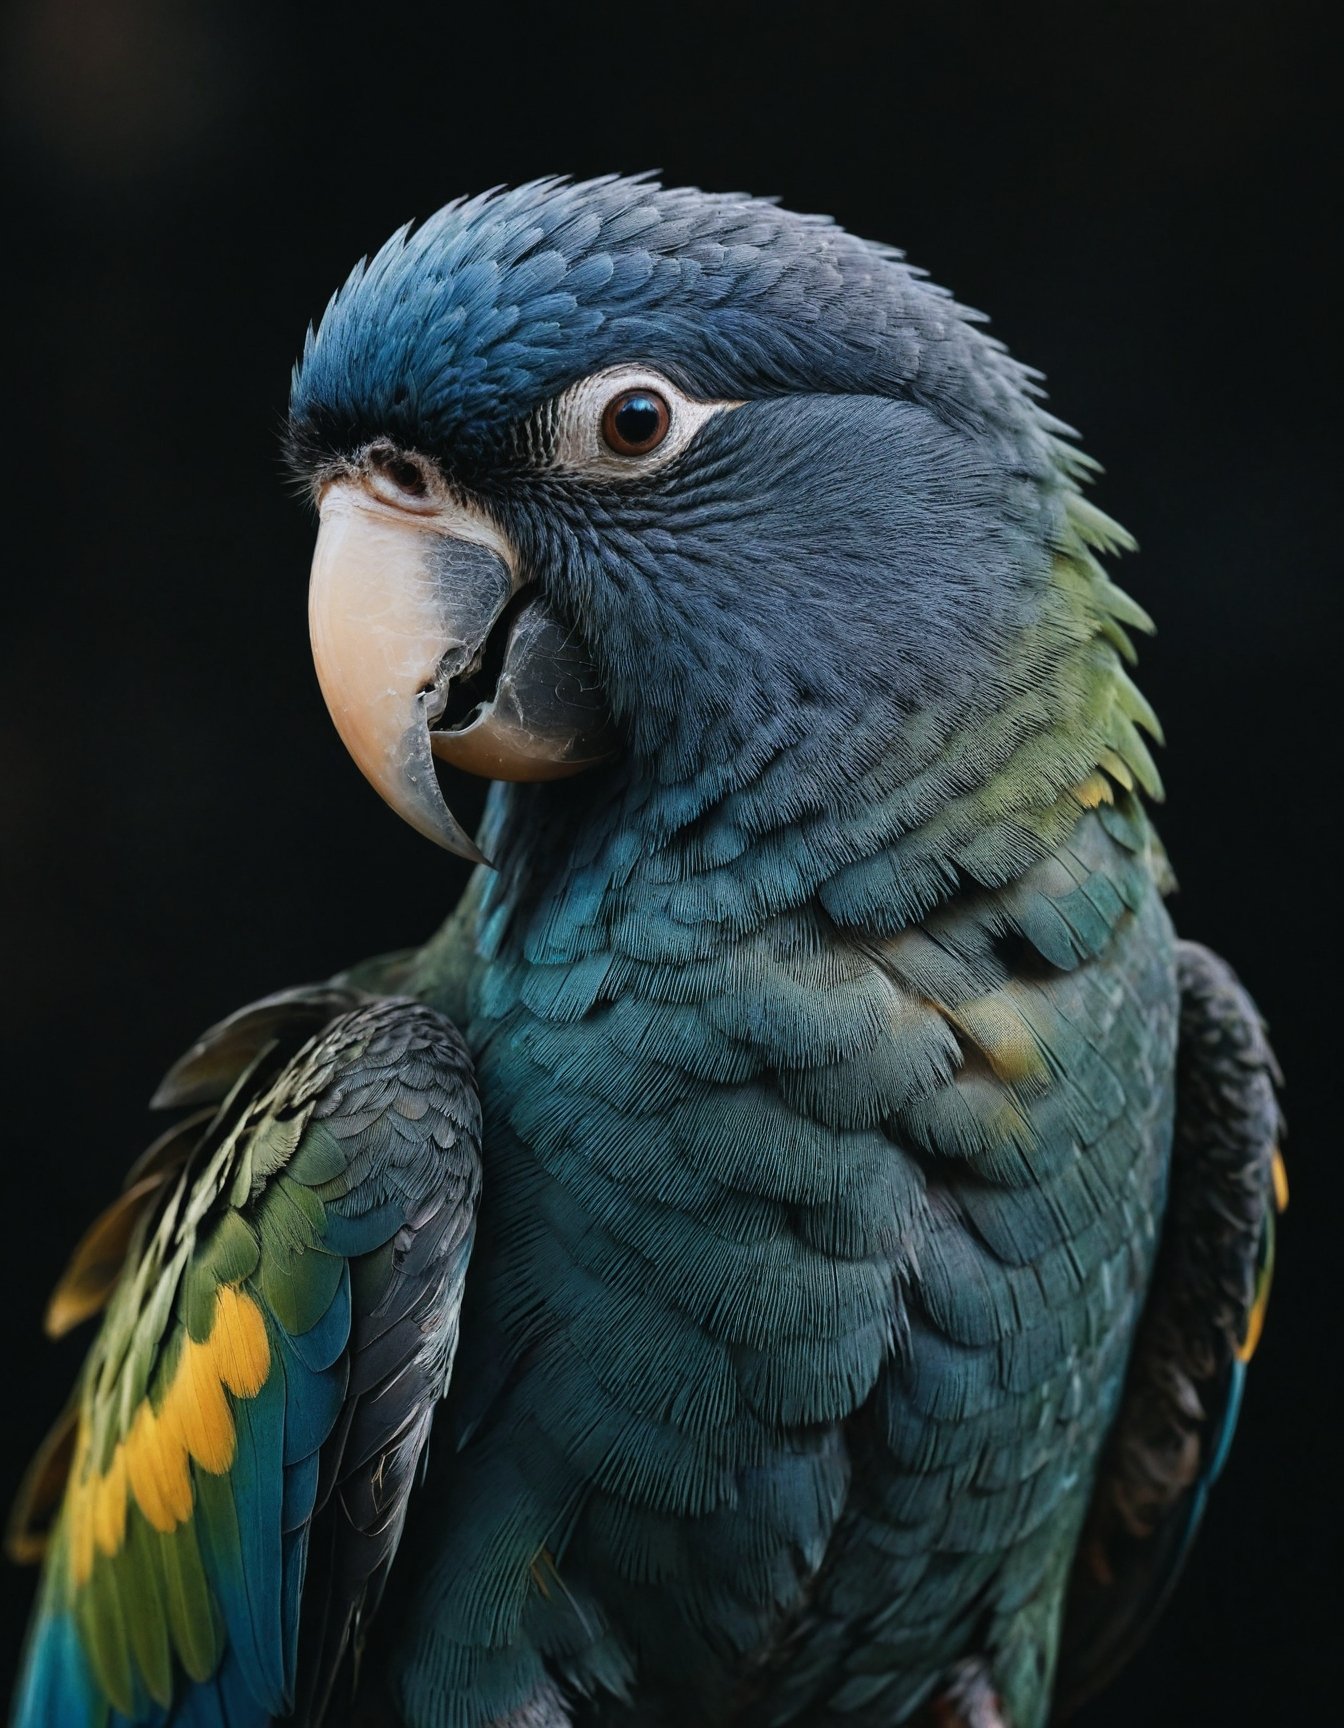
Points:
(428, 643)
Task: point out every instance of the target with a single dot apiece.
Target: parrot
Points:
(785, 1251)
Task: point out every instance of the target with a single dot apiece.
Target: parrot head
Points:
(616, 473)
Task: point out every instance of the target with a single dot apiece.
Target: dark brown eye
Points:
(636, 422)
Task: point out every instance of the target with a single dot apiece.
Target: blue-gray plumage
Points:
(825, 1022)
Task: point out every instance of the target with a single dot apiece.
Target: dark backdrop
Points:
(1138, 196)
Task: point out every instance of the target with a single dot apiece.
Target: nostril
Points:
(406, 473)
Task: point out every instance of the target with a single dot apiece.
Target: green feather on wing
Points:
(231, 1386)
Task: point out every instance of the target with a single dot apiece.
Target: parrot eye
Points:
(622, 423)
(635, 422)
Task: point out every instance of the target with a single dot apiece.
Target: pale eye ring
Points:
(636, 421)
(623, 423)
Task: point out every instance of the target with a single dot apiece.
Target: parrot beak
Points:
(428, 643)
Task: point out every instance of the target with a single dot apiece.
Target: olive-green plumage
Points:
(875, 1194)
(257, 1399)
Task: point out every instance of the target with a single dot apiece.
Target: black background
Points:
(1137, 194)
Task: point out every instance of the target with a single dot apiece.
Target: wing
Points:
(1200, 1328)
(282, 1277)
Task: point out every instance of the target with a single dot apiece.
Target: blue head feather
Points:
(459, 327)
